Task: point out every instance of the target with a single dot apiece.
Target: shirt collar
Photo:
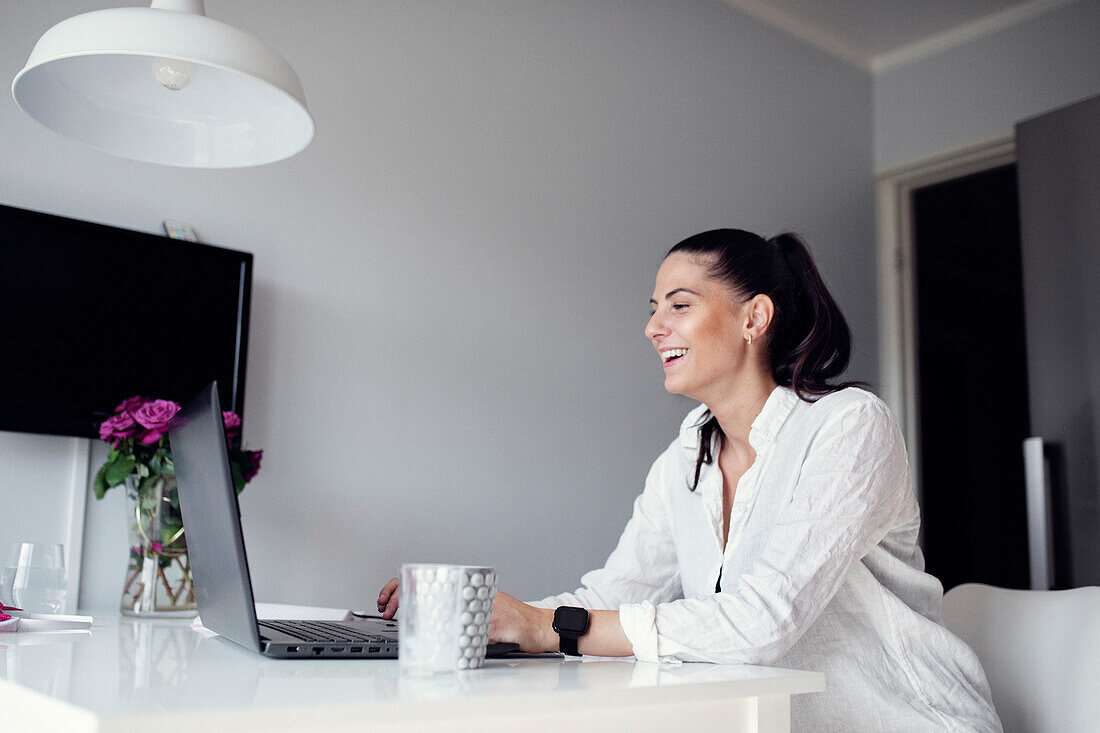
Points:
(776, 410)
(689, 429)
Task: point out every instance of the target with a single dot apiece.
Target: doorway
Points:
(972, 509)
(971, 374)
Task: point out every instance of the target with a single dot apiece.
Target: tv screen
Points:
(92, 314)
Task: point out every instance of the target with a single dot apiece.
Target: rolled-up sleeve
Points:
(852, 484)
(643, 565)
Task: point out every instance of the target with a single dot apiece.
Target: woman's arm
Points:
(853, 483)
(533, 629)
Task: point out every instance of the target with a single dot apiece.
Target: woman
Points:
(779, 527)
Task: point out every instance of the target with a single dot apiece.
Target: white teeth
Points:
(671, 353)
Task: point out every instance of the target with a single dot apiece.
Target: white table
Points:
(139, 676)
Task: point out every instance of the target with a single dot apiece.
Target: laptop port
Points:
(317, 650)
(357, 650)
(373, 650)
(292, 649)
(336, 649)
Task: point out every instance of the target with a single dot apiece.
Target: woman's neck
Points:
(740, 405)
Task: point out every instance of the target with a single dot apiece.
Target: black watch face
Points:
(571, 619)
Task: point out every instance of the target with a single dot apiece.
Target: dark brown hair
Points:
(808, 342)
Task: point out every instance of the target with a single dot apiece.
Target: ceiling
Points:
(877, 35)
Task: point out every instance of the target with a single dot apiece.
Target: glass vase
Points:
(158, 576)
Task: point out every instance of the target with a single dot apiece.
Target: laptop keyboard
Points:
(318, 631)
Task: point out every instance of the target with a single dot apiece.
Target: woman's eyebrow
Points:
(670, 293)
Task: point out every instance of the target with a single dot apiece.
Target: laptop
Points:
(219, 566)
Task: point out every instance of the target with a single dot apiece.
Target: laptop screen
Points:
(212, 520)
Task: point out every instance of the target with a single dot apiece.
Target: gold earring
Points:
(749, 339)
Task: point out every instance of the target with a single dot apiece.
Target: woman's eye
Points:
(679, 306)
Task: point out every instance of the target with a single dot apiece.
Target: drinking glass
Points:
(445, 614)
(34, 577)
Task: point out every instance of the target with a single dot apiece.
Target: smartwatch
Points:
(571, 623)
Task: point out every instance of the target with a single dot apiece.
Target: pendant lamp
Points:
(168, 85)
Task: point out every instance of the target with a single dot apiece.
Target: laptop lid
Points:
(212, 520)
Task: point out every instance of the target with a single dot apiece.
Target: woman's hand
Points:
(387, 598)
(532, 628)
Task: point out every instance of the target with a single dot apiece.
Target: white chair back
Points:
(1040, 651)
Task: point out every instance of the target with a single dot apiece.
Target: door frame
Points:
(897, 298)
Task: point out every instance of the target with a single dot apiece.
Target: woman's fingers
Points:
(388, 598)
(391, 607)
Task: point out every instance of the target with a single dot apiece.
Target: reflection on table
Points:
(128, 669)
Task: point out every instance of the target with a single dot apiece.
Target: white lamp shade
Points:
(91, 78)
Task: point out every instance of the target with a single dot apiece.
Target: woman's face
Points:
(698, 328)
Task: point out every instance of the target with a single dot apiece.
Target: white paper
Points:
(33, 622)
(292, 612)
(307, 613)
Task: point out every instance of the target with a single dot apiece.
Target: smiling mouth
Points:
(668, 356)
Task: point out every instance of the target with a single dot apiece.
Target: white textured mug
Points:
(445, 613)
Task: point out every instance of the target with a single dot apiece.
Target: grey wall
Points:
(981, 89)
(42, 498)
(447, 360)
(1059, 175)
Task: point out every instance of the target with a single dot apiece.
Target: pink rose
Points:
(155, 417)
(156, 546)
(232, 423)
(254, 458)
(118, 427)
(131, 404)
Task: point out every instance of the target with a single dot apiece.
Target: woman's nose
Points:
(654, 327)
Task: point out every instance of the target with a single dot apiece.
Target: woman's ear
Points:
(758, 315)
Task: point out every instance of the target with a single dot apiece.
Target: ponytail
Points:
(808, 342)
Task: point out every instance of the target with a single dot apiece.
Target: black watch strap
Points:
(570, 623)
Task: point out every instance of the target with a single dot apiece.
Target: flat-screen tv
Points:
(92, 314)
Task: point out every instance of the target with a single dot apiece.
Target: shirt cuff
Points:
(639, 622)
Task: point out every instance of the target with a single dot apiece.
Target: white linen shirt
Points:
(821, 571)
